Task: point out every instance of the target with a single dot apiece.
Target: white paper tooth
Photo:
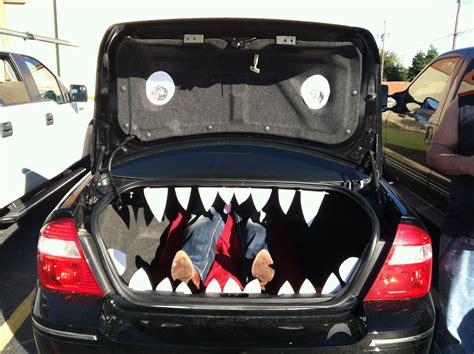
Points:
(156, 199)
(310, 204)
(226, 194)
(285, 196)
(213, 287)
(286, 289)
(332, 285)
(164, 285)
(260, 197)
(140, 281)
(208, 196)
(307, 288)
(183, 288)
(231, 287)
(339, 328)
(242, 194)
(347, 267)
(183, 194)
(263, 215)
(119, 259)
(253, 287)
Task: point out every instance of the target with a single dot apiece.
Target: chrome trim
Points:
(381, 342)
(70, 335)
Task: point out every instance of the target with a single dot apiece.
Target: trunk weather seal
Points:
(347, 297)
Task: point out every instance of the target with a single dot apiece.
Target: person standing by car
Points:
(452, 153)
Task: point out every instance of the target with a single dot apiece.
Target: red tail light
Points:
(406, 273)
(61, 262)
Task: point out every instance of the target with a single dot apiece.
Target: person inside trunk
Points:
(194, 261)
(452, 153)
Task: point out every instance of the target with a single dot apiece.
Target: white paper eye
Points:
(160, 88)
(315, 91)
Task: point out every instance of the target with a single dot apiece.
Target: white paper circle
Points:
(315, 91)
(159, 88)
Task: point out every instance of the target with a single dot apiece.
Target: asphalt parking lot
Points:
(18, 279)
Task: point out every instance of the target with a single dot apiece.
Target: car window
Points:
(427, 90)
(46, 82)
(467, 83)
(12, 89)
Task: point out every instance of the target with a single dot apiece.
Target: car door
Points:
(440, 184)
(410, 125)
(22, 131)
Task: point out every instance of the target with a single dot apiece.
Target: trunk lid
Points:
(312, 84)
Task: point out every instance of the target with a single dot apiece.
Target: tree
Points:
(393, 70)
(420, 60)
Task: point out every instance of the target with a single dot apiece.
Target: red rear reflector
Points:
(406, 273)
(61, 262)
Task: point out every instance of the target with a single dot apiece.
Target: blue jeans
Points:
(203, 232)
(456, 287)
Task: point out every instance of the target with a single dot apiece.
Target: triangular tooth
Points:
(310, 204)
(213, 287)
(231, 287)
(307, 288)
(242, 194)
(226, 194)
(332, 285)
(183, 194)
(183, 288)
(286, 289)
(253, 287)
(119, 259)
(285, 196)
(164, 285)
(260, 197)
(156, 199)
(347, 267)
(338, 328)
(208, 196)
(262, 216)
(140, 281)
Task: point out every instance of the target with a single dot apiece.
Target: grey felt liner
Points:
(217, 93)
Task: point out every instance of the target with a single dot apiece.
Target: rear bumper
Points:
(48, 341)
(64, 324)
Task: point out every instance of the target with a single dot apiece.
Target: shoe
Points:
(183, 269)
(263, 268)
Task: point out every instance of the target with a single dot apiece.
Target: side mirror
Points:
(430, 103)
(78, 93)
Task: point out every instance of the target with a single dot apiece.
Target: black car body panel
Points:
(125, 156)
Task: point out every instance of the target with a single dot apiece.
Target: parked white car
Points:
(43, 131)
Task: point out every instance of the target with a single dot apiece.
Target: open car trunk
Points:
(318, 238)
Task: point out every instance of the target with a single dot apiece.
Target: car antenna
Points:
(118, 201)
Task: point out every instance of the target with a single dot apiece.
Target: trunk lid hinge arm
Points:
(373, 136)
(118, 199)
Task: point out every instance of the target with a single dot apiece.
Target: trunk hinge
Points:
(118, 200)
(373, 138)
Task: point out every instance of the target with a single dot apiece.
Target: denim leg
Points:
(253, 236)
(201, 238)
(456, 285)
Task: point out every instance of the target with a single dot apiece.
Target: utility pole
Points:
(382, 54)
(456, 24)
(55, 10)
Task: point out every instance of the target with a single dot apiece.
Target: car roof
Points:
(465, 52)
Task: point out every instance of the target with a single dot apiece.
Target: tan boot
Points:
(183, 269)
(263, 268)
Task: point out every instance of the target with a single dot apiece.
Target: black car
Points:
(409, 125)
(282, 117)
